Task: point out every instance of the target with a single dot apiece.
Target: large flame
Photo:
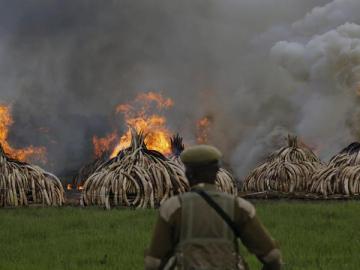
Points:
(140, 116)
(23, 154)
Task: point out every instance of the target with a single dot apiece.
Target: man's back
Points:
(195, 235)
(210, 244)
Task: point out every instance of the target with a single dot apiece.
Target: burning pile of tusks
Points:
(136, 177)
(22, 184)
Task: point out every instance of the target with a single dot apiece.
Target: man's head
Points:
(202, 163)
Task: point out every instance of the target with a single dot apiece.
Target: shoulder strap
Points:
(220, 211)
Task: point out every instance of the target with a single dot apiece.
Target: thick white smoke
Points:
(327, 17)
(327, 68)
(319, 55)
(333, 56)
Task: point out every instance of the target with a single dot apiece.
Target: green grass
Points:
(311, 235)
(315, 236)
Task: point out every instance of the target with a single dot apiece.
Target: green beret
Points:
(200, 154)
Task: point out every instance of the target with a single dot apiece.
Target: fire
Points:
(70, 187)
(139, 115)
(24, 154)
(102, 145)
(157, 136)
(203, 129)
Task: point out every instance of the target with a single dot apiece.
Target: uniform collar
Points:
(205, 186)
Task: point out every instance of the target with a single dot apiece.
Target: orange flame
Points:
(138, 115)
(24, 154)
(157, 136)
(102, 145)
(70, 187)
(203, 129)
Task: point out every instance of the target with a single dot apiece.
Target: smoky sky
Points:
(64, 65)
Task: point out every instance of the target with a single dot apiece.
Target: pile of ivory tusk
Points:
(225, 181)
(22, 184)
(87, 170)
(341, 176)
(287, 170)
(137, 177)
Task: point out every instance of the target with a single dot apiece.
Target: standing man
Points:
(200, 229)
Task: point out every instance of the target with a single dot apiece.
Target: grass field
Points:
(311, 235)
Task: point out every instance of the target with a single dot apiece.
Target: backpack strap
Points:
(219, 210)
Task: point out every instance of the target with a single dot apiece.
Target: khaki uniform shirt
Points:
(253, 234)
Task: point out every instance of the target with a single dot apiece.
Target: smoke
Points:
(327, 66)
(327, 17)
(318, 56)
(259, 68)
